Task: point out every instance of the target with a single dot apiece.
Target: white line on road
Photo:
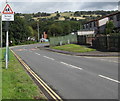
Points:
(71, 65)
(109, 78)
(37, 54)
(48, 58)
(105, 59)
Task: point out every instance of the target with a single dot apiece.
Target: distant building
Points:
(99, 25)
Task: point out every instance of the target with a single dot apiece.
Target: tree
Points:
(19, 31)
(55, 30)
(109, 27)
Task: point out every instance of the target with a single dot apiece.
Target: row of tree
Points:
(98, 12)
(24, 27)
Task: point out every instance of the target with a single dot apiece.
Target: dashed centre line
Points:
(48, 58)
(71, 65)
(109, 78)
(37, 54)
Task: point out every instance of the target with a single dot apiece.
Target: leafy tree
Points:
(109, 27)
(19, 31)
(55, 30)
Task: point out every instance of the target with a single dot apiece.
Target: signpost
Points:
(7, 15)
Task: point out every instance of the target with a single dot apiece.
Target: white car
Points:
(44, 40)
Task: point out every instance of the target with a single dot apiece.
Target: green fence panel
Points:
(56, 41)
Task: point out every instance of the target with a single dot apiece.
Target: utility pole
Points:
(38, 31)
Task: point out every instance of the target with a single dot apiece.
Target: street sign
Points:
(7, 17)
(7, 14)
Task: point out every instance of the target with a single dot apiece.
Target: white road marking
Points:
(37, 54)
(63, 54)
(48, 58)
(109, 78)
(71, 65)
(107, 59)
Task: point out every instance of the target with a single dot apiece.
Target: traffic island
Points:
(73, 49)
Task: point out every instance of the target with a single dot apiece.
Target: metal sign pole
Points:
(7, 50)
(1, 32)
(7, 44)
(7, 15)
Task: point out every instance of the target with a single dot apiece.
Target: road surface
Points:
(73, 77)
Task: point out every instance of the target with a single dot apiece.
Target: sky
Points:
(51, 6)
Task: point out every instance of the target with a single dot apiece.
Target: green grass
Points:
(0, 74)
(16, 83)
(73, 48)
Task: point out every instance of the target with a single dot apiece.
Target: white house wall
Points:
(85, 32)
(103, 21)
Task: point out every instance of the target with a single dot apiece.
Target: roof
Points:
(103, 17)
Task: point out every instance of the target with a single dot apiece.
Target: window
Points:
(90, 24)
(94, 24)
(118, 17)
(111, 17)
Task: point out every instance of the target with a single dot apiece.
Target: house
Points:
(99, 25)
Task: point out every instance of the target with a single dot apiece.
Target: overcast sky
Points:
(50, 7)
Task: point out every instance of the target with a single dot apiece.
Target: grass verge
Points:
(0, 74)
(16, 83)
(73, 48)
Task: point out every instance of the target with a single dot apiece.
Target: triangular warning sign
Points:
(7, 10)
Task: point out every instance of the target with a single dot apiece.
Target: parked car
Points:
(44, 40)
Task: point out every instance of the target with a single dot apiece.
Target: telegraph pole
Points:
(38, 31)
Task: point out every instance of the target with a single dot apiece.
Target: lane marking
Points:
(44, 85)
(37, 53)
(48, 58)
(109, 78)
(105, 59)
(71, 66)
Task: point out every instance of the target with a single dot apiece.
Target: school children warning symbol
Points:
(7, 10)
(7, 14)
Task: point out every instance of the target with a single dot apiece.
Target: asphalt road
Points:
(73, 77)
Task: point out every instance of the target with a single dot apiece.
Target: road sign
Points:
(7, 14)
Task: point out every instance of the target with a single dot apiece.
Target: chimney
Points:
(45, 35)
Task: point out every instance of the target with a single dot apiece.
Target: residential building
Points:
(99, 25)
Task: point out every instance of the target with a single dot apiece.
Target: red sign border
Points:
(8, 12)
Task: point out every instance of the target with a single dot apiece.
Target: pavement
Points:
(92, 53)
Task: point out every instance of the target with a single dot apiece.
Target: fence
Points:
(103, 43)
(56, 41)
(85, 39)
(107, 43)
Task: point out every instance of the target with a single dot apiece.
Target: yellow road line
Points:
(44, 85)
